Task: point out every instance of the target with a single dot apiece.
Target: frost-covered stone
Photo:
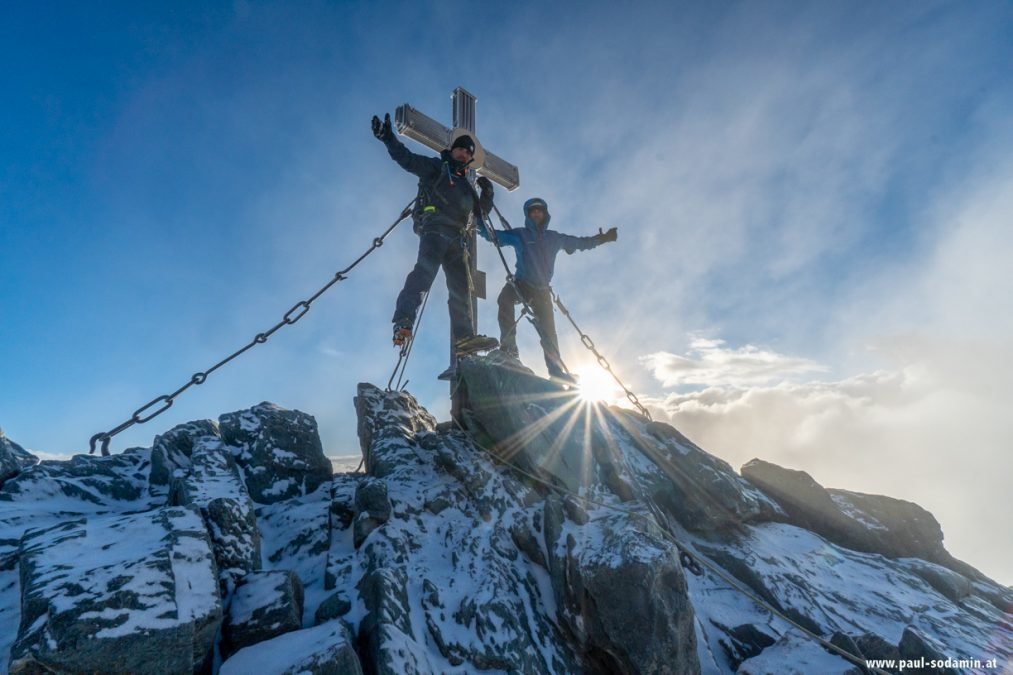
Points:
(334, 607)
(443, 589)
(98, 481)
(51, 492)
(134, 593)
(623, 595)
(372, 508)
(13, 458)
(523, 415)
(171, 451)
(322, 650)
(279, 451)
(793, 654)
(952, 585)
(872, 523)
(213, 484)
(829, 588)
(264, 605)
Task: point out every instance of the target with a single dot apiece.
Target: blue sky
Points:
(812, 199)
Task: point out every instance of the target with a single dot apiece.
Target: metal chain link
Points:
(602, 361)
(298, 311)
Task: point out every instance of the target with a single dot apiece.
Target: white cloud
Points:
(710, 363)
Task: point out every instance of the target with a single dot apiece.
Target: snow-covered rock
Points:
(279, 451)
(322, 650)
(212, 483)
(264, 605)
(135, 593)
(547, 536)
(13, 458)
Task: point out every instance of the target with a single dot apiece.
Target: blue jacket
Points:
(447, 198)
(536, 247)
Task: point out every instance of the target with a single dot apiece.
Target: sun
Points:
(594, 384)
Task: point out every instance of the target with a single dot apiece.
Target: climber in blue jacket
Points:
(536, 247)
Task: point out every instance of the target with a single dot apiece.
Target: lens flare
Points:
(595, 384)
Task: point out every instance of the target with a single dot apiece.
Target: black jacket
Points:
(447, 198)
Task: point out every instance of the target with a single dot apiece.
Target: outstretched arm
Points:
(420, 165)
(571, 243)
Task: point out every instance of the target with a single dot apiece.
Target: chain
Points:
(602, 361)
(406, 351)
(159, 405)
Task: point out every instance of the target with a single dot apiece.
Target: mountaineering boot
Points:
(448, 374)
(475, 343)
(402, 333)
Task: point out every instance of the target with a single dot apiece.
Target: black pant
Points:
(540, 301)
(436, 249)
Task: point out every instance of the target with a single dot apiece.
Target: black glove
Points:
(485, 185)
(604, 237)
(382, 130)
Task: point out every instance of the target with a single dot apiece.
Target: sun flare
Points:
(595, 384)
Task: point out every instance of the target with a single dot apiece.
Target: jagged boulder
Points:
(171, 451)
(51, 492)
(793, 654)
(83, 481)
(622, 593)
(372, 508)
(132, 593)
(515, 412)
(264, 605)
(950, 584)
(700, 490)
(322, 650)
(13, 458)
(869, 523)
(279, 451)
(212, 483)
(914, 646)
(442, 582)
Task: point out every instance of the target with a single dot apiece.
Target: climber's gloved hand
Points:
(382, 130)
(604, 237)
(485, 185)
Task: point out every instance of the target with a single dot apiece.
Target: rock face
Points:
(13, 458)
(323, 650)
(212, 483)
(134, 593)
(549, 536)
(279, 451)
(265, 605)
(871, 523)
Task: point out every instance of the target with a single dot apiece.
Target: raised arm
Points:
(420, 165)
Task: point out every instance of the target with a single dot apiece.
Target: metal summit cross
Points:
(427, 131)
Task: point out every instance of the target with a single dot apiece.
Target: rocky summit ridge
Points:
(548, 535)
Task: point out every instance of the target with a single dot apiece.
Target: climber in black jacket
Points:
(446, 202)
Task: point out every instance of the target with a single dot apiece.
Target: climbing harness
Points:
(406, 351)
(602, 361)
(691, 560)
(160, 404)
